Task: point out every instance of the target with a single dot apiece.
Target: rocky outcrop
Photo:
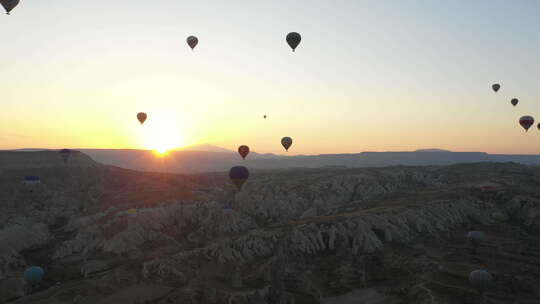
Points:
(297, 235)
(17, 238)
(11, 288)
(356, 233)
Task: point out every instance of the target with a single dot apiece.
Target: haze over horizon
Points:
(204, 147)
(368, 76)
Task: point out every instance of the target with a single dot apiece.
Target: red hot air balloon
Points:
(243, 151)
(141, 117)
(496, 87)
(526, 122)
(286, 142)
(192, 41)
(238, 176)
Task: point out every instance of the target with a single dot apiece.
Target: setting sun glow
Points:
(163, 135)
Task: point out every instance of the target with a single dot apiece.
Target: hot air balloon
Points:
(496, 87)
(293, 39)
(9, 5)
(65, 154)
(514, 101)
(243, 151)
(499, 216)
(538, 126)
(238, 176)
(33, 275)
(526, 122)
(286, 142)
(141, 117)
(31, 180)
(264, 116)
(481, 280)
(475, 237)
(192, 41)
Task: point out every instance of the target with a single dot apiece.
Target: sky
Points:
(368, 75)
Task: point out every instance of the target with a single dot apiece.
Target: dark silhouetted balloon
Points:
(238, 176)
(9, 5)
(243, 151)
(481, 280)
(65, 154)
(514, 101)
(526, 122)
(475, 237)
(538, 126)
(293, 39)
(33, 275)
(264, 116)
(286, 142)
(142, 117)
(192, 41)
(496, 87)
(31, 180)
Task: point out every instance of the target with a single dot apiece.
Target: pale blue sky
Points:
(368, 75)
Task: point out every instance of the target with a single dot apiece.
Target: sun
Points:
(163, 135)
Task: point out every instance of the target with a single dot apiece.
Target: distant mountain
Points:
(16, 160)
(195, 160)
(204, 161)
(31, 150)
(432, 150)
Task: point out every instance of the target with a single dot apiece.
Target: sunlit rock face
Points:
(376, 235)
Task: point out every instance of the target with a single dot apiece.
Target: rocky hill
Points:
(374, 235)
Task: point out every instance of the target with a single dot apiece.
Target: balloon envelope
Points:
(499, 216)
(293, 39)
(243, 151)
(496, 87)
(141, 117)
(239, 175)
(538, 126)
(526, 122)
(480, 279)
(192, 41)
(475, 237)
(9, 4)
(34, 274)
(65, 153)
(514, 101)
(286, 142)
